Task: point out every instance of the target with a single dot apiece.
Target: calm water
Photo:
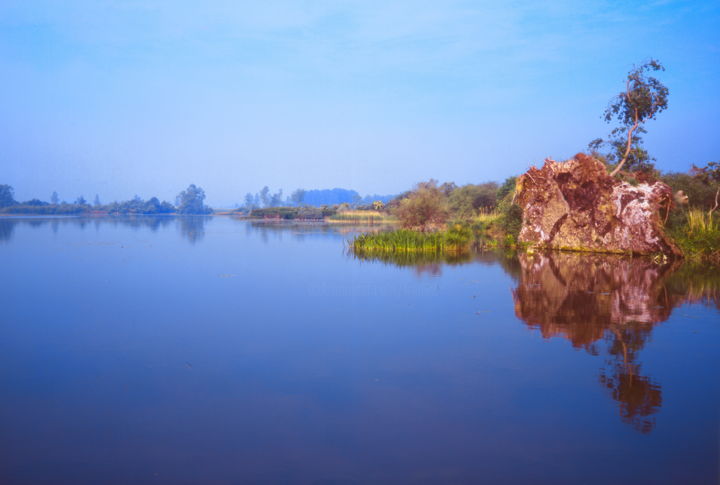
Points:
(215, 351)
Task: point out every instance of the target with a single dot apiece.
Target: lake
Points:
(219, 351)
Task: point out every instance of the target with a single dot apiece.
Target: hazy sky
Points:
(144, 97)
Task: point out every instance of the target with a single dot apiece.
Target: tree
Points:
(96, 203)
(638, 159)
(466, 201)
(192, 201)
(55, 198)
(424, 207)
(276, 199)
(644, 97)
(7, 196)
(297, 197)
(249, 201)
(508, 187)
(80, 201)
(264, 196)
(378, 205)
(710, 175)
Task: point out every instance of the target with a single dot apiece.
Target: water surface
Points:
(218, 351)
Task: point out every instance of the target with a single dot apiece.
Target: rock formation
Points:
(577, 205)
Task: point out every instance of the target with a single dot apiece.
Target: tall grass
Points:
(699, 237)
(699, 222)
(456, 239)
(487, 216)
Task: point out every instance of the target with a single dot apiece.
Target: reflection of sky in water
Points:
(262, 353)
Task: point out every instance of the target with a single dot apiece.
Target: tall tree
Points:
(7, 196)
(249, 201)
(55, 198)
(644, 97)
(96, 202)
(265, 196)
(297, 197)
(192, 201)
(276, 199)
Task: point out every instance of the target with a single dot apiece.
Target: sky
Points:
(139, 97)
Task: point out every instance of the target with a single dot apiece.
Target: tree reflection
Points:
(608, 305)
(193, 227)
(7, 227)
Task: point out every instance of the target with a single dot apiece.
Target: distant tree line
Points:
(309, 198)
(189, 201)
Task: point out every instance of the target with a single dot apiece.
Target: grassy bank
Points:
(361, 217)
(699, 236)
(486, 231)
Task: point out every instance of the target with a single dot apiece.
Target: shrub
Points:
(424, 208)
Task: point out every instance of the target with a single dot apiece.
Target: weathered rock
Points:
(577, 205)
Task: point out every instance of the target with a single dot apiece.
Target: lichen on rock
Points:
(577, 205)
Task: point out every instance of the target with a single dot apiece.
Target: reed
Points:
(456, 239)
(699, 237)
(699, 222)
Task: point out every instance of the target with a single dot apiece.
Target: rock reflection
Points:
(609, 305)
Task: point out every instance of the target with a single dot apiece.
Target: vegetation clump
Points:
(455, 239)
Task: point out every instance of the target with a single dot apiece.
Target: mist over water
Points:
(214, 350)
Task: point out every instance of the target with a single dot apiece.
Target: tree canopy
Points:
(424, 207)
(7, 196)
(643, 99)
(192, 201)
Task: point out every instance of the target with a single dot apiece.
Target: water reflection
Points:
(609, 305)
(301, 230)
(7, 227)
(193, 227)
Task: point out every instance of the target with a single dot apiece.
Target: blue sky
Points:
(144, 97)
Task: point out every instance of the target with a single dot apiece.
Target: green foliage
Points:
(7, 196)
(699, 193)
(510, 221)
(700, 236)
(643, 99)
(710, 175)
(192, 201)
(456, 239)
(507, 188)
(467, 201)
(612, 151)
(423, 208)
